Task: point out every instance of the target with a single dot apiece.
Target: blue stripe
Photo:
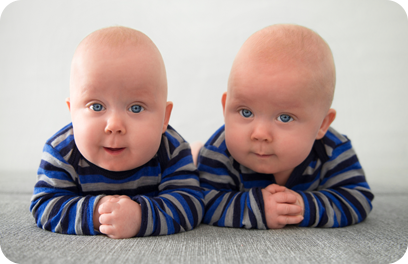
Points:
(306, 185)
(307, 212)
(333, 137)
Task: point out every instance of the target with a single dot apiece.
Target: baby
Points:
(277, 161)
(119, 168)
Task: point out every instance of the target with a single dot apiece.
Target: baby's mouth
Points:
(113, 151)
(263, 155)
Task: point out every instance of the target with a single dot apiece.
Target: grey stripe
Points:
(176, 135)
(179, 182)
(256, 210)
(46, 213)
(329, 150)
(166, 146)
(360, 197)
(78, 217)
(37, 204)
(188, 167)
(309, 170)
(225, 179)
(209, 195)
(230, 212)
(316, 206)
(333, 163)
(66, 157)
(56, 182)
(313, 186)
(223, 159)
(97, 198)
(245, 170)
(329, 209)
(341, 177)
(168, 211)
(83, 163)
(58, 228)
(182, 146)
(61, 138)
(101, 186)
(197, 205)
(245, 219)
(179, 207)
(163, 224)
(219, 140)
(342, 138)
(337, 212)
(149, 227)
(57, 163)
(354, 217)
(218, 211)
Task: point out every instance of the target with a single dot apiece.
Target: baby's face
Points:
(272, 117)
(118, 106)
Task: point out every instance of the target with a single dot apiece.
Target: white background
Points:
(198, 41)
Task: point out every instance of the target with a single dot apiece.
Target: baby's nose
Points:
(261, 132)
(115, 125)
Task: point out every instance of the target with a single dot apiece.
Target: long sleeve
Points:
(179, 205)
(56, 204)
(68, 188)
(330, 180)
(342, 196)
(227, 203)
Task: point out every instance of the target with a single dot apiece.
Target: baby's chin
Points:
(259, 169)
(263, 170)
(115, 166)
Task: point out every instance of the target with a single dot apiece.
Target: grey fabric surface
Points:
(382, 238)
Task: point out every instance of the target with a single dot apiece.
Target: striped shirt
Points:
(69, 187)
(330, 180)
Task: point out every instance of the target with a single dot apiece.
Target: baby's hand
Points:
(120, 217)
(299, 201)
(280, 207)
(96, 213)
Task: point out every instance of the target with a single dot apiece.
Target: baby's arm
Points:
(227, 203)
(179, 205)
(57, 204)
(282, 206)
(119, 216)
(343, 197)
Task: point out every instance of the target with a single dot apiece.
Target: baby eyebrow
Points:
(240, 102)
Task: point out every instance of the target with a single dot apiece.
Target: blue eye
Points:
(285, 118)
(96, 107)
(245, 113)
(136, 109)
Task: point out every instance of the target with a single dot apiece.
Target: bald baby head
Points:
(116, 40)
(291, 46)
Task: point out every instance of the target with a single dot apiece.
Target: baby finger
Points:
(288, 209)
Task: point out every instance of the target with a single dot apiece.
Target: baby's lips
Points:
(113, 150)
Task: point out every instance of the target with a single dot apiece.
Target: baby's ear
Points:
(169, 107)
(223, 101)
(328, 119)
(68, 101)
